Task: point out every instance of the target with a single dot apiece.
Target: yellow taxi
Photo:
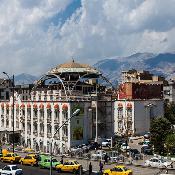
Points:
(11, 157)
(30, 159)
(69, 166)
(28, 150)
(118, 170)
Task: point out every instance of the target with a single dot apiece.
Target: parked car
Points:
(118, 170)
(99, 154)
(125, 147)
(11, 170)
(147, 135)
(147, 150)
(29, 160)
(106, 143)
(146, 142)
(159, 163)
(69, 166)
(11, 157)
(94, 146)
(46, 163)
(135, 154)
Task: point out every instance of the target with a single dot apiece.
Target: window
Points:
(14, 167)
(120, 112)
(7, 168)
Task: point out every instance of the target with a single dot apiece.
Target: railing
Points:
(35, 133)
(41, 119)
(56, 121)
(49, 135)
(41, 134)
(35, 118)
(49, 120)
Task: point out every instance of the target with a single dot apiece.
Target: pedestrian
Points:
(61, 161)
(106, 159)
(101, 166)
(90, 168)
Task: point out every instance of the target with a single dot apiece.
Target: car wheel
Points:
(21, 163)
(74, 171)
(32, 164)
(59, 170)
(41, 166)
(11, 161)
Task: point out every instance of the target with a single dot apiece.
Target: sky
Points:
(36, 35)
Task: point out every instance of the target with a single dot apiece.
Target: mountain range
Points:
(159, 64)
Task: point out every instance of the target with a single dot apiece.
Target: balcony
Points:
(49, 92)
(49, 135)
(49, 120)
(41, 134)
(28, 132)
(65, 138)
(41, 119)
(129, 118)
(35, 118)
(35, 133)
(57, 136)
(56, 121)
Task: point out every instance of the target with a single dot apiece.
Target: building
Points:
(134, 76)
(5, 89)
(169, 91)
(24, 91)
(54, 98)
(130, 90)
(139, 99)
(132, 117)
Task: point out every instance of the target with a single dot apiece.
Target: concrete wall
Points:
(145, 111)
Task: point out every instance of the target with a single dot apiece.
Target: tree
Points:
(170, 143)
(160, 128)
(170, 112)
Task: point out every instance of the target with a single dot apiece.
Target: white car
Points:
(159, 163)
(99, 154)
(106, 143)
(11, 170)
(125, 147)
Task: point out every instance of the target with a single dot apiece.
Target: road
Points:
(28, 170)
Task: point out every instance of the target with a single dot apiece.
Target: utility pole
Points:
(13, 106)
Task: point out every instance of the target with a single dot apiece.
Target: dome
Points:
(73, 66)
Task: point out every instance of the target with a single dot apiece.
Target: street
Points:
(29, 170)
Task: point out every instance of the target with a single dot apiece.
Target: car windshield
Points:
(54, 160)
(135, 151)
(162, 160)
(76, 162)
(14, 167)
(125, 169)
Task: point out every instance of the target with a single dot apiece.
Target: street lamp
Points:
(13, 85)
(76, 112)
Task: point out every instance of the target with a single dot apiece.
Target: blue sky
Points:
(37, 35)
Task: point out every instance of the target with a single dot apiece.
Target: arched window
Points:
(35, 127)
(49, 129)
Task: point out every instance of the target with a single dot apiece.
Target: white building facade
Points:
(132, 117)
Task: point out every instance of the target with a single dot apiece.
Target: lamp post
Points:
(13, 85)
(96, 118)
(76, 112)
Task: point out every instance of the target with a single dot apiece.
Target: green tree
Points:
(170, 112)
(170, 142)
(160, 128)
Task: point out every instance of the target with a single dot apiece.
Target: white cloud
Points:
(30, 42)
